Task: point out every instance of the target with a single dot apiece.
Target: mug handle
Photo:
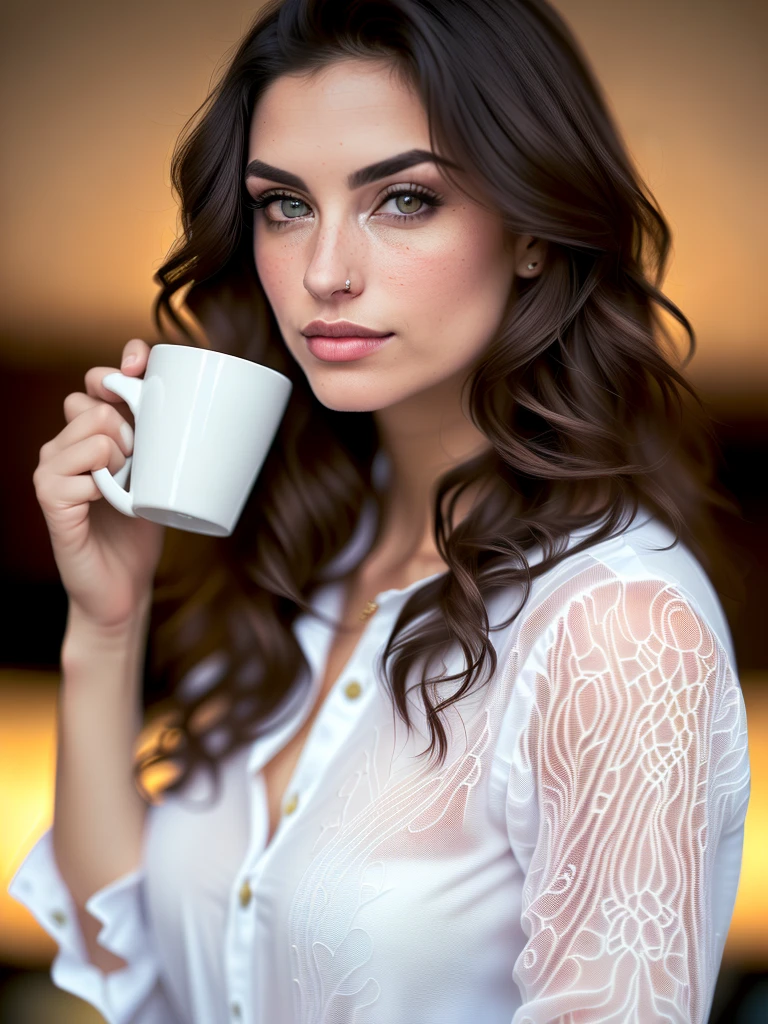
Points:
(129, 389)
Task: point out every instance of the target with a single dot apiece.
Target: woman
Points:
(480, 537)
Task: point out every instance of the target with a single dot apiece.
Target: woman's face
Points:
(436, 278)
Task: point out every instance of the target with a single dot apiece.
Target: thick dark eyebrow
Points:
(365, 176)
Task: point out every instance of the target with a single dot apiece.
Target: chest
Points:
(373, 579)
(277, 773)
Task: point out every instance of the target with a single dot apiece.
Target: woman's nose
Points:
(332, 260)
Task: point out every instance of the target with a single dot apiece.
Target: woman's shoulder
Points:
(643, 562)
(630, 624)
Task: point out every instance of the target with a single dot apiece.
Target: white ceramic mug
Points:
(204, 423)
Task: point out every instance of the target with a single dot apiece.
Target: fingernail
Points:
(126, 432)
(128, 361)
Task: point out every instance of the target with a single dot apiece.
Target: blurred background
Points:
(94, 94)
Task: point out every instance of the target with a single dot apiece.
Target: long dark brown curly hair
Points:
(577, 392)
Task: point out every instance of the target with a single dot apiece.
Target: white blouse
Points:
(575, 859)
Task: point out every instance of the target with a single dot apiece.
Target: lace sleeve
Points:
(638, 752)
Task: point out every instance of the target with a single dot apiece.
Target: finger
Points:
(77, 402)
(69, 491)
(53, 482)
(96, 418)
(94, 386)
(135, 356)
(94, 452)
(94, 377)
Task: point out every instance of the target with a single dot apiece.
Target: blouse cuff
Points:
(117, 995)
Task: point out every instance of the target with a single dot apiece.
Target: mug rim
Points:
(215, 352)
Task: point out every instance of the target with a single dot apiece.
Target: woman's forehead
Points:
(344, 99)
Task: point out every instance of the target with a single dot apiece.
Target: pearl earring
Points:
(531, 266)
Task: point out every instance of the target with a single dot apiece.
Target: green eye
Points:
(288, 204)
(291, 205)
(413, 203)
(407, 199)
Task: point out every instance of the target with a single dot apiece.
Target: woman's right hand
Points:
(107, 560)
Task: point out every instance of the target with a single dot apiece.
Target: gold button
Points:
(59, 917)
(245, 894)
(353, 690)
(292, 804)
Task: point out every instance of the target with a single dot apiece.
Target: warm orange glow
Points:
(92, 108)
(28, 709)
(27, 775)
(28, 712)
(748, 937)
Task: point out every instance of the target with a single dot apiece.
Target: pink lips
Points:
(339, 341)
(341, 329)
(345, 348)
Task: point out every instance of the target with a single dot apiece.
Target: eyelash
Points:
(431, 199)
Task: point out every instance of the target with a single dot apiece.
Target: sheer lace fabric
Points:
(636, 740)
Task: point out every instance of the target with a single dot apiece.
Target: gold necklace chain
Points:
(368, 611)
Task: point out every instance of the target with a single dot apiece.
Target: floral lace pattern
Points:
(637, 740)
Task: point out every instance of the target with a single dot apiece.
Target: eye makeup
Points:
(430, 199)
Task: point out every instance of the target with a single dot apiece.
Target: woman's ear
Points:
(530, 254)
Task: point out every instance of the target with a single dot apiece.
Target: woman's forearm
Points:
(99, 815)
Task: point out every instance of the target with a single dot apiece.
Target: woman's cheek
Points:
(270, 269)
(419, 265)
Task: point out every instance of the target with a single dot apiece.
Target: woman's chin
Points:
(350, 400)
(345, 392)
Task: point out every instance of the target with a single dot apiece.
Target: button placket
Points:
(239, 952)
(353, 689)
(343, 707)
(59, 917)
(239, 943)
(245, 893)
(330, 729)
